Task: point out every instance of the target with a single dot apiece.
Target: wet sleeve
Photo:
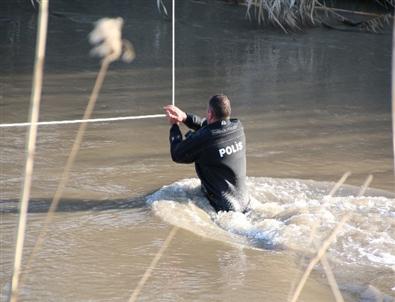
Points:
(195, 122)
(184, 151)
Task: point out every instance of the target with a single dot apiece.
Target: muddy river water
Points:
(314, 105)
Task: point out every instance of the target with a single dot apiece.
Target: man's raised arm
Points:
(185, 151)
(195, 122)
(176, 115)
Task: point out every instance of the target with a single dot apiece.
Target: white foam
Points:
(282, 216)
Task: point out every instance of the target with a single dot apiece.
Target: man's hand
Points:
(174, 114)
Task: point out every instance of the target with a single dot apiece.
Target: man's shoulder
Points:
(202, 133)
(237, 125)
(227, 127)
(236, 121)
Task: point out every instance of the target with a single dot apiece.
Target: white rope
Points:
(95, 120)
(173, 52)
(123, 118)
(393, 94)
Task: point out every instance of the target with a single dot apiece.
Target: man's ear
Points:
(209, 115)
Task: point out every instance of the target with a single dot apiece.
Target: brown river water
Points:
(314, 105)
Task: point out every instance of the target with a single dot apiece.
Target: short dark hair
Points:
(220, 106)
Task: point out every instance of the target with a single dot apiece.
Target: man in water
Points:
(217, 147)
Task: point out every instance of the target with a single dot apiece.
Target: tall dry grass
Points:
(161, 7)
(311, 241)
(286, 14)
(290, 15)
(322, 252)
(147, 274)
(106, 38)
(35, 100)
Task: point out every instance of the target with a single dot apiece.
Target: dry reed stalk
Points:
(321, 252)
(339, 183)
(293, 15)
(70, 160)
(325, 245)
(365, 186)
(153, 264)
(393, 92)
(335, 188)
(31, 144)
(375, 24)
(109, 46)
(271, 10)
(331, 279)
(325, 263)
(161, 7)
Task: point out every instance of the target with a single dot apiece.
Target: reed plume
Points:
(107, 40)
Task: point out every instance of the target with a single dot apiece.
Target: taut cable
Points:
(96, 120)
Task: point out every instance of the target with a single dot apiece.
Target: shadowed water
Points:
(313, 105)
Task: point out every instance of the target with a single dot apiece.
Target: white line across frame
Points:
(96, 120)
(120, 118)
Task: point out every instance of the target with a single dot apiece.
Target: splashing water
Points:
(282, 214)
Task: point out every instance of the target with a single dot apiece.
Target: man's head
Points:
(218, 108)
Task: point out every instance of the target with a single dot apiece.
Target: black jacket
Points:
(218, 151)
